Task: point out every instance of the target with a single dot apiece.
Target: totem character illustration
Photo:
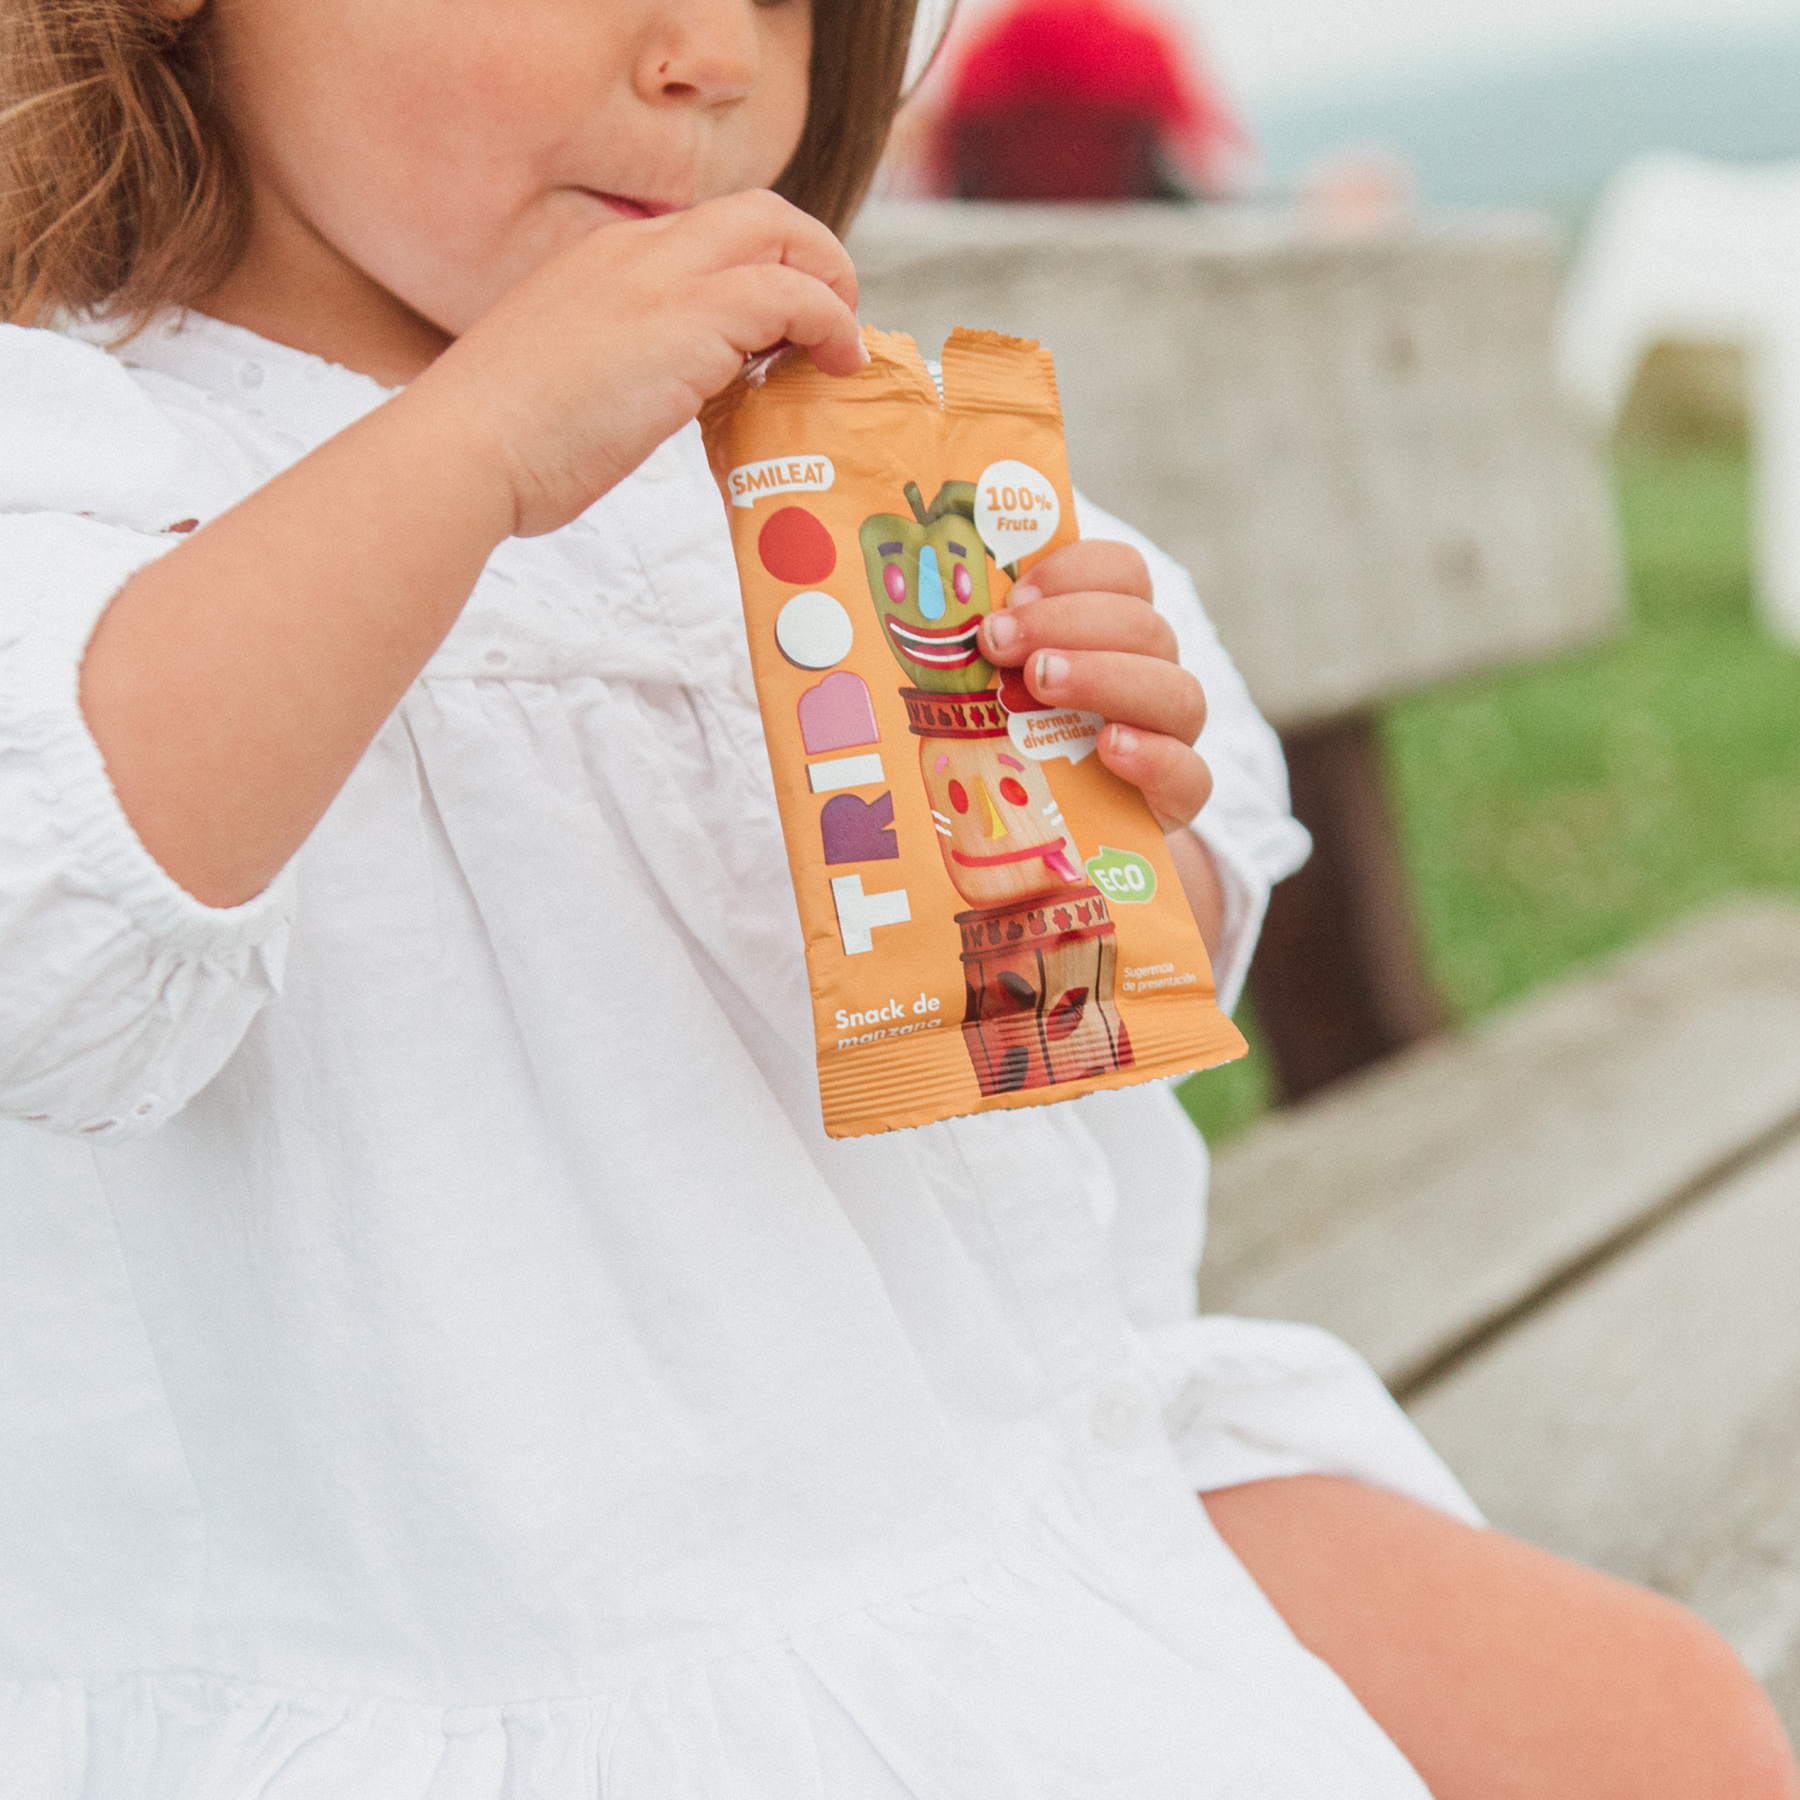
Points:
(1038, 981)
(1000, 830)
(1038, 946)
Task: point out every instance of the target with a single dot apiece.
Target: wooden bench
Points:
(1570, 1242)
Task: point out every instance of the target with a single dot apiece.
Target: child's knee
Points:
(1753, 1748)
(1719, 1712)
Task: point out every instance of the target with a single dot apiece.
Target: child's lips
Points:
(628, 206)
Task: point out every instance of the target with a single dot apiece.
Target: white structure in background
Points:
(1686, 250)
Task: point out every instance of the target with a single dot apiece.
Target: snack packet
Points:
(991, 917)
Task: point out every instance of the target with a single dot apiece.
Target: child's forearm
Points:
(1200, 881)
(232, 685)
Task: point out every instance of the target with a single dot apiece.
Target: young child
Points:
(441, 1358)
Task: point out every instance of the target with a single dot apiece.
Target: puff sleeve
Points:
(120, 994)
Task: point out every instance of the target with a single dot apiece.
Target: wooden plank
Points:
(1413, 1208)
(1648, 1420)
(1358, 447)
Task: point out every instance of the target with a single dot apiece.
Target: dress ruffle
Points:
(1019, 1682)
(1257, 1399)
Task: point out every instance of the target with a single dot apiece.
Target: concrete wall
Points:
(1356, 446)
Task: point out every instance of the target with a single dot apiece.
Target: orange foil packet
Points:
(991, 918)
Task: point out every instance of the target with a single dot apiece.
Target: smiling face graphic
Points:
(928, 577)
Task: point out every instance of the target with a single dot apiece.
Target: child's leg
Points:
(1504, 1673)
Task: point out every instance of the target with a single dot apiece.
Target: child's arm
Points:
(1203, 885)
(1245, 838)
(1081, 629)
(233, 684)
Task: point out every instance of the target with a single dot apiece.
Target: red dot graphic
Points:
(796, 548)
(959, 797)
(1013, 791)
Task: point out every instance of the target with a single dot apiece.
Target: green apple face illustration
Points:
(928, 575)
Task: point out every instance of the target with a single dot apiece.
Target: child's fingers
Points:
(761, 227)
(842, 352)
(1156, 696)
(760, 304)
(1076, 621)
(1095, 565)
(1174, 778)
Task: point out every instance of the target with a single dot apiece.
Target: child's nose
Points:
(709, 53)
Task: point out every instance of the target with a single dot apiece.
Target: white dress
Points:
(441, 1356)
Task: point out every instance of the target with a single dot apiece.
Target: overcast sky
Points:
(1273, 49)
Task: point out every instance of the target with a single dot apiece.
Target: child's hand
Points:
(1081, 630)
(611, 347)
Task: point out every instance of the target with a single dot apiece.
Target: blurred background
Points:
(1566, 806)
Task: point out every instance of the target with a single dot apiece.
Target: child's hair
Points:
(120, 193)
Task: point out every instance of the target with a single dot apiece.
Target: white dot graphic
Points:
(813, 632)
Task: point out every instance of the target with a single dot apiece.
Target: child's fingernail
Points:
(1023, 595)
(1052, 670)
(862, 351)
(1124, 740)
(1002, 632)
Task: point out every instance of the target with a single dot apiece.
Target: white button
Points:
(1120, 1413)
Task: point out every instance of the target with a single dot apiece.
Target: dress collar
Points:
(310, 398)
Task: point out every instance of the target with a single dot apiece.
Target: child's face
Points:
(445, 149)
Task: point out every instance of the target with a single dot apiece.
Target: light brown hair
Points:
(120, 194)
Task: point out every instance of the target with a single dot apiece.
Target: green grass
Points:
(1553, 813)
(1227, 1100)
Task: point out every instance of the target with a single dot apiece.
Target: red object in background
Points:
(1083, 100)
